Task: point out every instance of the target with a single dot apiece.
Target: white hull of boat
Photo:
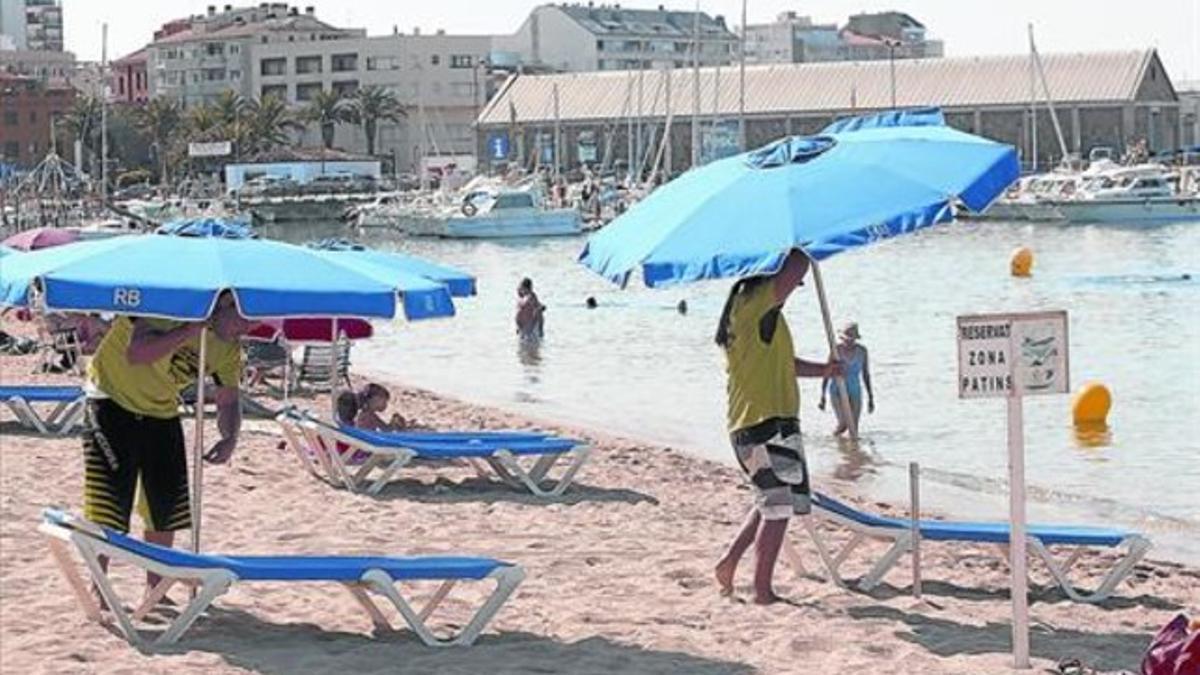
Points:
(1130, 211)
(547, 223)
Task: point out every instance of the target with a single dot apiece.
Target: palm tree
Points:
(327, 109)
(82, 123)
(160, 120)
(268, 124)
(371, 105)
(204, 123)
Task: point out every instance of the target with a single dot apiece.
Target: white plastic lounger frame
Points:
(316, 444)
(211, 583)
(61, 421)
(901, 540)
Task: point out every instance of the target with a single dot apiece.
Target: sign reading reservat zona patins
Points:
(999, 351)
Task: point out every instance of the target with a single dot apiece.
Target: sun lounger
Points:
(326, 451)
(66, 415)
(1040, 538)
(212, 575)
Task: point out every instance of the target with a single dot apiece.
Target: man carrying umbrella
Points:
(134, 434)
(764, 408)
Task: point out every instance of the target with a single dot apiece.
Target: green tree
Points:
(269, 124)
(82, 123)
(327, 110)
(160, 120)
(371, 105)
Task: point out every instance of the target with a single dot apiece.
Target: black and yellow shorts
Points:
(119, 449)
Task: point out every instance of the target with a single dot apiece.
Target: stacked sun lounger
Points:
(212, 575)
(366, 461)
(65, 415)
(1041, 538)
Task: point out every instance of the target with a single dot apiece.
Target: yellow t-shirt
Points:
(152, 389)
(760, 360)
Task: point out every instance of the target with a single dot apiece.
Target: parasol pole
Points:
(334, 362)
(198, 449)
(843, 398)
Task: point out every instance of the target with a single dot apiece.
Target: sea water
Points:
(635, 366)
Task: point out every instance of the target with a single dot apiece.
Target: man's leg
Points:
(165, 498)
(770, 538)
(727, 565)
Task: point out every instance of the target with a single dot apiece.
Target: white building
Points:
(439, 79)
(589, 37)
(32, 24)
(792, 38)
(213, 55)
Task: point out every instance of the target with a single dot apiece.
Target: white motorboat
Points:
(499, 214)
(1140, 194)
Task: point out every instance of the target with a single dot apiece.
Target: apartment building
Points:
(441, 81)
(792, 38)
(578, 37)
(35, 25)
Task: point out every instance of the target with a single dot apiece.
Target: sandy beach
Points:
(619, 574)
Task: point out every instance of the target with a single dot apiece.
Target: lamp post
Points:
(891, 45)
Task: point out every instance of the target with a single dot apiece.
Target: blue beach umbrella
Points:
(460, 283)
(861, 180)
(181, 278)
(6, 251)
(207, 227)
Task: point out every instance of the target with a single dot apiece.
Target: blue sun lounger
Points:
(67, 413)
(521, 459)
(212, 575)
(1040, 538)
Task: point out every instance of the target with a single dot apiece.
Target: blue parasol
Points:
(460, 283)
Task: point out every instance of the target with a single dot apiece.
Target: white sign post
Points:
(1013, 356)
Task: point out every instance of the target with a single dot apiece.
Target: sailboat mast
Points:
(742, 84)
(1041, 71)
(696, 87)
(104, 112)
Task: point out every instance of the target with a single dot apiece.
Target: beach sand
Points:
(619, 574)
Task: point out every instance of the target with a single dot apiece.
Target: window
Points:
(345, 88)
(383, 63)
(273, 66)
(214, 74)
(307, 92)
(342, 63)
(307, 65)
(10, 118)
(235, 74)
(12, 150)
(121, 86)
(599, 45)
(33, 117)
(435, 59)
(461, 61)
(278, 91)
(214, 49)
(234, 49)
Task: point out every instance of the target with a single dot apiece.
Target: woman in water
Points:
(763, 416)
(853, 357)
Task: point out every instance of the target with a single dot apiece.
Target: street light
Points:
(891, 45)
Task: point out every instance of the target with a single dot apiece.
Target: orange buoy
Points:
(1091, 404)
(1021, 262)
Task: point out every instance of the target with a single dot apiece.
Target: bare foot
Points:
(768, 598)
(724, 573)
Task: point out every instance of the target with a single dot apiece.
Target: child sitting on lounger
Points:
(372, 402)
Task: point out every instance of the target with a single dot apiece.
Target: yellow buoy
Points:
(1091, 404)
(1021, 262)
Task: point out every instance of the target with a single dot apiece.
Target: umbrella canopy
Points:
(181, 277)
(861, 180)
(207, 227)
(41, 237)
(311, 330)
(460, 283)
